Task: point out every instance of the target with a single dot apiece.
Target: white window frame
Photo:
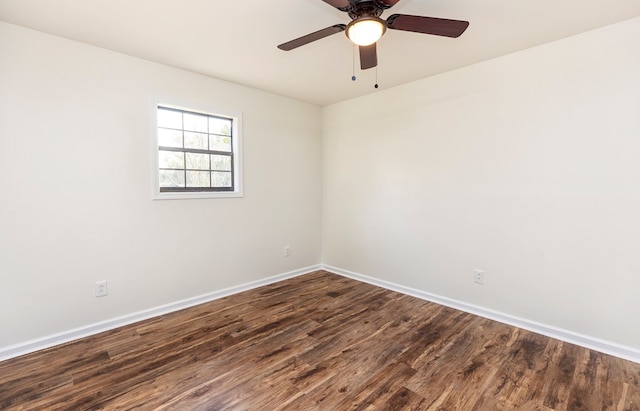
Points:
(236, 147)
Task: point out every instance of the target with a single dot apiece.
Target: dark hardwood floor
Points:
(319, 342)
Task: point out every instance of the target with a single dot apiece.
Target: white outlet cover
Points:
(478, 276)
(101, 288)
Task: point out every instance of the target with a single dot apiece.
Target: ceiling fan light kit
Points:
(366, 30)
(366, 27)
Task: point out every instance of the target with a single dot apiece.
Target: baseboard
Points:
(596, 344)
(91, 329)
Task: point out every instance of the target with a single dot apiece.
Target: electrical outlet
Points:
(287, 251)
(101, 288)
(478, 277)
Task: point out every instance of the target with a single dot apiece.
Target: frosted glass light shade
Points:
(366, 30)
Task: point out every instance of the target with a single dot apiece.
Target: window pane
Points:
(169, 138)
(169, 118)
(219, 143)
(170, 159)
(221, 179)
(220, 126)
(198, 161)
(195, 140)
(195, 122)
(198, 179)
(220, 162)
(171, 178)
(195, 151)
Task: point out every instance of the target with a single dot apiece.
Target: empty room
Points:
(319, 205)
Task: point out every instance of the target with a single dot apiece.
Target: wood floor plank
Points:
(475, 374)
(405, 399)
(378, 389)
(319, 342)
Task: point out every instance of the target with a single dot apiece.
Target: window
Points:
(197, 154)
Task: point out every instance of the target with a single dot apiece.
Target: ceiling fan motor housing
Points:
(366, 8)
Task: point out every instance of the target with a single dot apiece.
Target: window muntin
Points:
(195, 151)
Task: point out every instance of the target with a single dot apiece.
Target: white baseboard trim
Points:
(27, 347)
(596, 344)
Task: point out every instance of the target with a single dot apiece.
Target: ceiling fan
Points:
(367, 27)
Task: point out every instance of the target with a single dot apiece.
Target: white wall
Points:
(526, 166)
(75, 188)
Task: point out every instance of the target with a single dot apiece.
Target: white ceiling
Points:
(236, 40)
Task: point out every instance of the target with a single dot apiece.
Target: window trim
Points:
(236, 142)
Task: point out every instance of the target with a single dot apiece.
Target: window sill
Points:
(197, 195)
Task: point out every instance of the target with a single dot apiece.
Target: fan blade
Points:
(385, 4)
(317, 35)
(368, 57)
(427, 25)
(338, 4)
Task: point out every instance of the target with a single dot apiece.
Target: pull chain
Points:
(353, 64)
(376, 85)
